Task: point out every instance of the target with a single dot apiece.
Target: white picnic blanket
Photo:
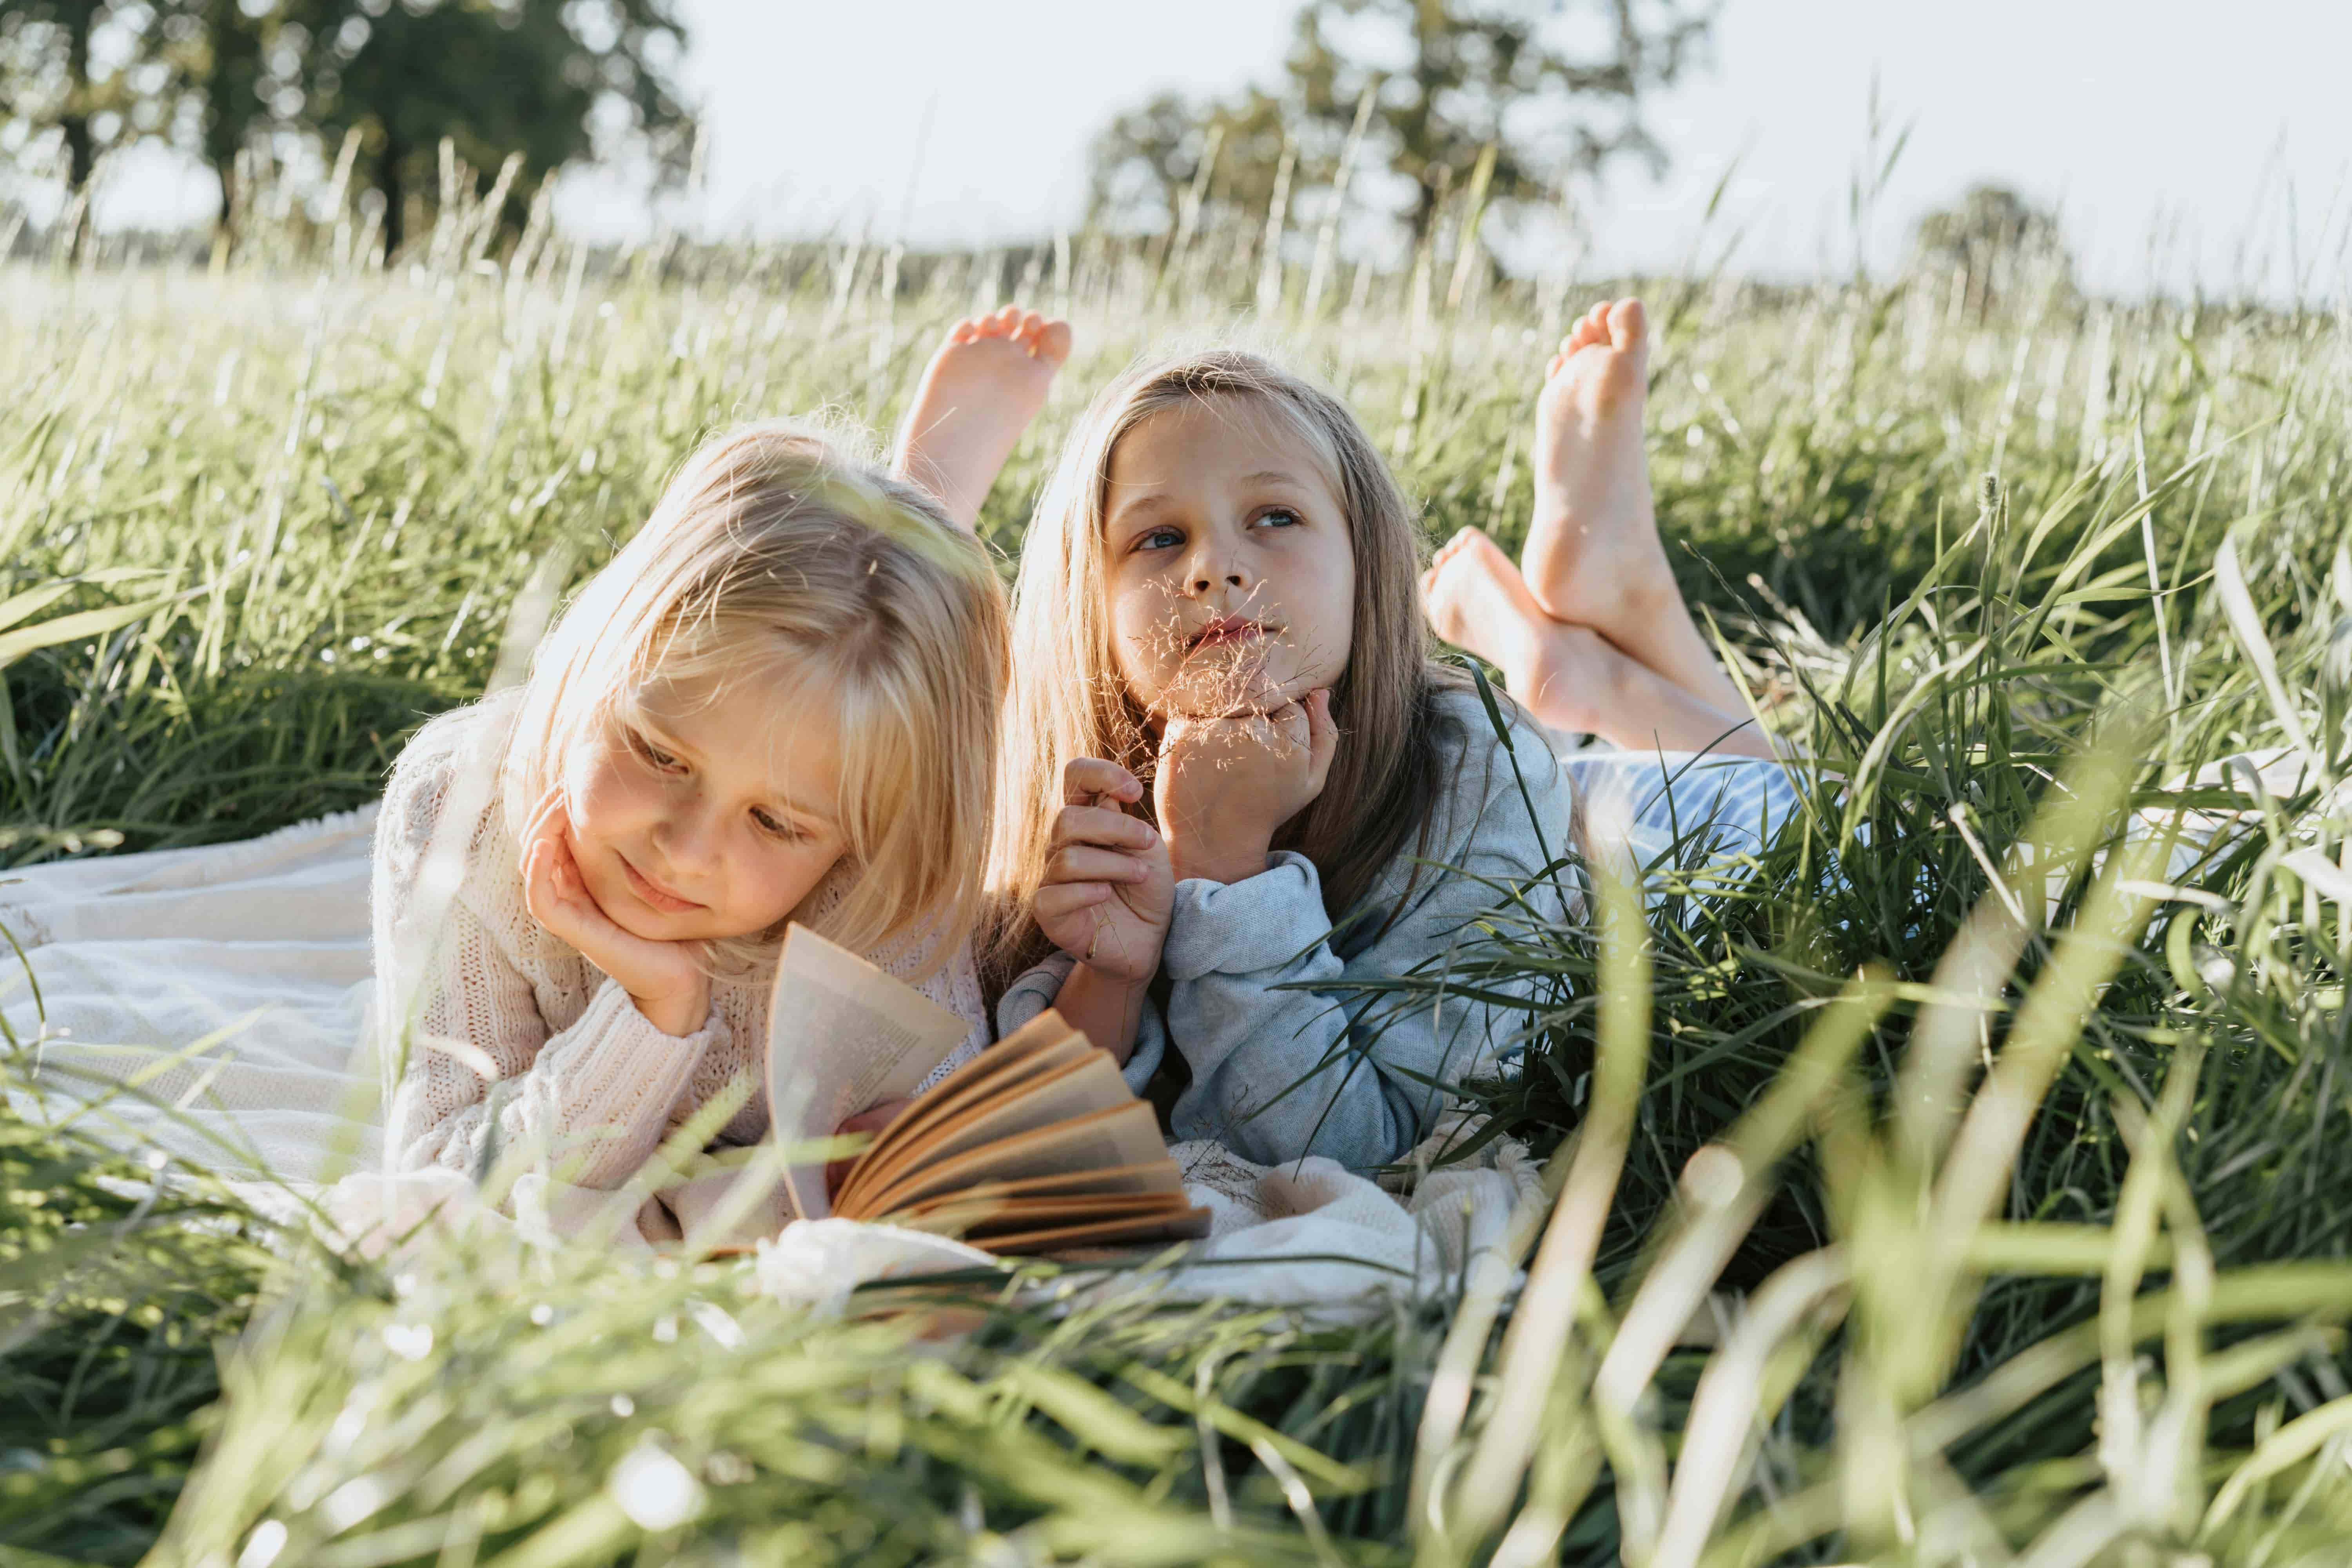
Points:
(228, 987)
(213, 1003)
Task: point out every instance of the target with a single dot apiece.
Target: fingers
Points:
(875, 1118)
(1101, 826)
(1057, 901)
(546, 888)
(1322, 737)
(1083, 863)
(548, 817)
(1087, 780)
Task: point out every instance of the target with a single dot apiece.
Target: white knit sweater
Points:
(572, 1066)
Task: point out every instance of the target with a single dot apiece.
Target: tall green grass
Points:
(2013, 1153)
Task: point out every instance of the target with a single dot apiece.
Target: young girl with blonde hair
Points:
(778, 702)
(1238, 791)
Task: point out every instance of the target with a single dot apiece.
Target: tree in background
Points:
(1987, 234)
(1544, 90)
(97, 72)
(227, 51)
(554, 80)
(1144, 166)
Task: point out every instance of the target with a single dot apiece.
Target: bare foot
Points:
(979, 393)
(1593, 545)
(1593, 554)
(1476, 600)
(1570, 677)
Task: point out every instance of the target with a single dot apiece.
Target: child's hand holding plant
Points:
(1227, 784)
(1108, 889)
(1105, 899)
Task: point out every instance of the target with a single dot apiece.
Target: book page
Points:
(1127, 1134)
(1184, 1225)
(981, 1082)
(975, 1220)
(1087, 1082)
(841, 1036)
(1115, 1181)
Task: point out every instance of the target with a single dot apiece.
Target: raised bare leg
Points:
(1594, 556)
(979, 393)
(1570, 677)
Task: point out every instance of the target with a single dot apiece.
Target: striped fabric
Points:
(1649, 802)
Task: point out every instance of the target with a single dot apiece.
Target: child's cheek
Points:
(605, 802)
(806, 866)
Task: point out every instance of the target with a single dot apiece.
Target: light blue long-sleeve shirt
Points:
(1360, 1064)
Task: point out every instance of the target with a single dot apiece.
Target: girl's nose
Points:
(689, 837)
(1209, 569)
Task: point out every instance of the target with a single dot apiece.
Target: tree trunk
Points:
(389, 177)
(224, 225)
(82, 152)
(230, 106)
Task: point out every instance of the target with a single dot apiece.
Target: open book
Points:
(1036, 1145)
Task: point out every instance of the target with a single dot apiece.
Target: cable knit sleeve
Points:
(483, 1073)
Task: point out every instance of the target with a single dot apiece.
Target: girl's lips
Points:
(651, 892)
(1227, 630)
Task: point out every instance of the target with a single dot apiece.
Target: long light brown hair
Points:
(1068, 699)
(775, 552)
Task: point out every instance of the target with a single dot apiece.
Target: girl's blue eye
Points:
(1289, 519)
(1160, 538)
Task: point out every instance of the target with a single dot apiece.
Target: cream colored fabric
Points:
(209, 999)
(219, 999)
(1312, 1235)
(566, 1063)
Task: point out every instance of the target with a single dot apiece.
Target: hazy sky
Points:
(2218, 128)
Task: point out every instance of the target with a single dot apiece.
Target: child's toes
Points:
(1053, 342)
(1626, 323)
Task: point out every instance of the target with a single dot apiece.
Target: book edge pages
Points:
(924, 1184)
(1162, 1177)
(905, 1139)
(1190, 1225)
(1090, 1081)
(985, 1219)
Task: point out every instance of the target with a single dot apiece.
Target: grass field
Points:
(2026, 1149)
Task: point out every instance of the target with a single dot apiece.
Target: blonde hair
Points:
(1068, 699)
(774, 552)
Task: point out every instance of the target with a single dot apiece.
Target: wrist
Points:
(680, 1013)
(1108, 1008)
(1222, 858)
(1108, 984)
